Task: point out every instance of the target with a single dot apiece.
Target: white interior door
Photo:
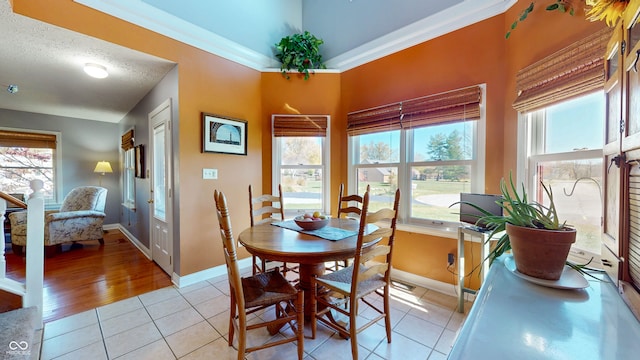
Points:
(160, 186)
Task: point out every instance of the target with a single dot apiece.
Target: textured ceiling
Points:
(46, 63)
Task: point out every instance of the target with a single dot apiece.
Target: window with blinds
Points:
(431, 148)
(27, 155)
(301, 162)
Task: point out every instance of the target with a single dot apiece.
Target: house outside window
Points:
(431, 148)
(564, 151)
(27, 155)
(301, 162)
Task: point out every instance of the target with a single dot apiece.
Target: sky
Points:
(577, 124)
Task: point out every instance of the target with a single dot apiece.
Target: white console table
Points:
(482, 236)
(514, 319)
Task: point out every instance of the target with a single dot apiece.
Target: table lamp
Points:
(103, 167)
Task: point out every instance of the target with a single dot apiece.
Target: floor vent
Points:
(401, 285)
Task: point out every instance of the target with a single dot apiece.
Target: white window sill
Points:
(131, 207)
(451, 233)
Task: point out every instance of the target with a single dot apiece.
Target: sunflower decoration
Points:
(606, 10)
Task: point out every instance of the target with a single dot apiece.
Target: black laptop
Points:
(469, 214)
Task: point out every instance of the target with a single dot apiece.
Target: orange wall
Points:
(207, 83)
(320, 95)
(473, 55)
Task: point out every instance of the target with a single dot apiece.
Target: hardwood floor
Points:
(80, 279)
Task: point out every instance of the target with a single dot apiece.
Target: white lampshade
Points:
(96, 71)
(103, 167)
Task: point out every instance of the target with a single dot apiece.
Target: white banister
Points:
(33, 288)
(3, 261)
(34, 285)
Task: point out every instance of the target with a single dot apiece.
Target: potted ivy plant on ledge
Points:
(538, 240)
(299, 52)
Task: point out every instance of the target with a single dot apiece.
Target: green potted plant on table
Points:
(300, 52)
(539, 241)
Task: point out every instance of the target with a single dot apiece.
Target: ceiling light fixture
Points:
(96, 71)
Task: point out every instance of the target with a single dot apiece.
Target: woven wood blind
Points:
(456, 105)
(453, 105)
(27, 139)
(381, 118)
(127, 140)
(299, 125)
(570, 72)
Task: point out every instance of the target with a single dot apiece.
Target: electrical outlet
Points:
(450, 259)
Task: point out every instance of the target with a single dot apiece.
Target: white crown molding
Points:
(151, 18)
(456, 17)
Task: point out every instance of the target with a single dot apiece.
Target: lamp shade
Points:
(103, 167)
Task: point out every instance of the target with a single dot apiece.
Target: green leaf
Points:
(552, 7)
(513, 26)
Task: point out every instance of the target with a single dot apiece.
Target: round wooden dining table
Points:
(273, 242)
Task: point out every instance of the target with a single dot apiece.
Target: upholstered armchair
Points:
(80, 218)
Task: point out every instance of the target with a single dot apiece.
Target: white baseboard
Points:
(203, 275)
(439, 286)
(182, 281)
(143, 249)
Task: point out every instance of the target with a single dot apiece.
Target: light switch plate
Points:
(210, 174)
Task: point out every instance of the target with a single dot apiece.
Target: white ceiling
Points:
(46, 61)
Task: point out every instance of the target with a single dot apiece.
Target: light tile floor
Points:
(192, 323)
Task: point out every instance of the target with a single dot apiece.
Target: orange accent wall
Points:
(320, 95)
(473, 55)
(207, 83)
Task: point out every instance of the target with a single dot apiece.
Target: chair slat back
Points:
(385, 220)
(265, 208)
(349, 204)
(229, 247)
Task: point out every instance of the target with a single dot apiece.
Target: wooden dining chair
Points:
(369, 274)
(346, 204)
(262, 209)
(258, 292)
(349, 206)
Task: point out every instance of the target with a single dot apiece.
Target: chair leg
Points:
(314, 307)
(232, 315)
(101, 241)
(300, 329)
(17, 249)
(353, 334)
(387, 318)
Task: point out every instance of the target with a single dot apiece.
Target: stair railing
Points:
(32, 288)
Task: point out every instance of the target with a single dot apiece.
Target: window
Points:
(432, 148)
(564, 151)
(301, 162)
(128, 175)
(129, 178)
(29, 155)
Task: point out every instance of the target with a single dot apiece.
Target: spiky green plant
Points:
(519, 211)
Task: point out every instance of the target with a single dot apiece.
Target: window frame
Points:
(406, 163)
(325, 166)
(128, 179)
(530, 152)
(57, 165)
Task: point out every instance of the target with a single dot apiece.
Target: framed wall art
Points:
(139, 161)
(224, 135)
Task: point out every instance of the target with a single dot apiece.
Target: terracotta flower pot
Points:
(540, 253)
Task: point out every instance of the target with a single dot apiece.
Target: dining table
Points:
(284, 241)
